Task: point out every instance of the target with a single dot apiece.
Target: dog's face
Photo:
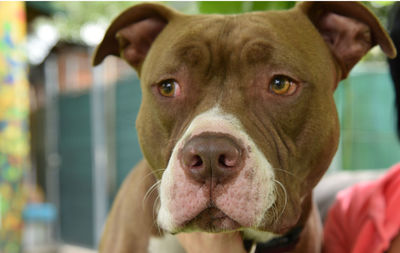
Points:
(238, 119)
(237, 110)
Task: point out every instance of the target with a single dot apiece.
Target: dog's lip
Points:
(212, 219)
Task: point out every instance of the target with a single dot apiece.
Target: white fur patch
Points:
(259, 236)
(165, 244)
(251, 201)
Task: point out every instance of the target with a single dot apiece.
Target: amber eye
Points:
(169, 88)
(282, 85)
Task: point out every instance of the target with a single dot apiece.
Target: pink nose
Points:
(212, 156)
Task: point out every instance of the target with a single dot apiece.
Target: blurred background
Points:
(67, 130)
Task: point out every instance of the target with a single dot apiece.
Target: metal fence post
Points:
(99, 147)
(51, 136)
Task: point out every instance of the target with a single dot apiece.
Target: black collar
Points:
(284, 243)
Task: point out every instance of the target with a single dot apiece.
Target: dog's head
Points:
(238, 119)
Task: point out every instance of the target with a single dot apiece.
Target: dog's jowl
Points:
(237, 122)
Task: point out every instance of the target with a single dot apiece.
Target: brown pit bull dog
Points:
(237, 123)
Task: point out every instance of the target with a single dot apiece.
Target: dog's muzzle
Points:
(217, 179)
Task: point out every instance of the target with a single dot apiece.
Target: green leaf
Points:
(227, 7)
(242, 6)
(272, 5)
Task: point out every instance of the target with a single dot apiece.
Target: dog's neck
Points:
(259, 242)
(285, 243)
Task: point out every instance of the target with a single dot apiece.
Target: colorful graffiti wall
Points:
(14, 136)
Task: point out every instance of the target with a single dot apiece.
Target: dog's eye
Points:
(169, 88)
(282, 85)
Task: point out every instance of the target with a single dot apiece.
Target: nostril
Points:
(224, 162)
(197, 162)
(191, 160)
(227, 161)
(221, 160)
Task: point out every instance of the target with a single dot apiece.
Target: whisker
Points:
(285, 194)
(156, 206)
(143, 179)
(152, 173)
(154, 186)
(287, 172)
(150, 191)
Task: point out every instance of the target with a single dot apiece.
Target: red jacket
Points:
(365, 217)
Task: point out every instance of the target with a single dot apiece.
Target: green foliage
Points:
(273, 5)
(381, 10)
(68, 17)
(209, 7)
(220, 7)
(73, 15)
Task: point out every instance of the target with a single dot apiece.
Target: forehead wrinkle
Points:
(192, 54)
(256, 51)
(256, 41)
(197, 56)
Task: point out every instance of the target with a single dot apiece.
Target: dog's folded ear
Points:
(349, 29)
(131, 34)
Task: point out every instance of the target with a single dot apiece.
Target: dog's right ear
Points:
(131, 34)
(349, 29)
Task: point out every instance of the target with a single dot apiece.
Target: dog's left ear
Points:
(131, 34)
(349, 29)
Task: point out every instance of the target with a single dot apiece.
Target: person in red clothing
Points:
(366, 217)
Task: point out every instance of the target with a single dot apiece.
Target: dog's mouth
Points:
(212, 219)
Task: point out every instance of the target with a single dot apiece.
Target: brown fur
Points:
(132, 215)
(234, 57)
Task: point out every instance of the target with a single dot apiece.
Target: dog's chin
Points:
(211, 220)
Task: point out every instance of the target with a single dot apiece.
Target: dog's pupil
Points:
(168, 87)
(279, 83)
